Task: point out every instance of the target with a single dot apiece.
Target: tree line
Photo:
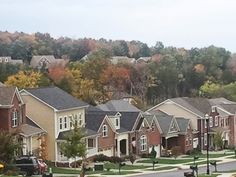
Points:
(171, 72)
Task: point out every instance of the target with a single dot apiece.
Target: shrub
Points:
(153, 152)
(101, 158)
(109, 166)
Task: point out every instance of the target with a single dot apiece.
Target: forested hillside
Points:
(171, 72)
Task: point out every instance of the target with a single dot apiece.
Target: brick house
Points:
(13, 118)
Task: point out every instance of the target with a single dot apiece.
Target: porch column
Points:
(30, 139)
(127, 147)
(96, 146)
(118, 148)
(166, 143)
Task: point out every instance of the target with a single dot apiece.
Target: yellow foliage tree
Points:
(24, 79)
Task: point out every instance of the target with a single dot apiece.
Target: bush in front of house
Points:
(175, 151)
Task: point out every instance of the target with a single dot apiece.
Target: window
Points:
(143, 143)
(65, 122)
(71, 121)
(60, 123)
(104, 130)
(222, 122)
(153, 127)
(14, 118)
(117, 122)
(186, 141)
(227, 121)
(205, 139)
(190, 141)
(210, 121)
(91, 143)
(80, 122)
(216, 120)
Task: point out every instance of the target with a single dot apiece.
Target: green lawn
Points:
(210, 155)
(201, 163)
(121, 172)
(205, 175)
(133, 167)
(167, 161)
(160, 168)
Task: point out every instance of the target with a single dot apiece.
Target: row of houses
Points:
(117, 128)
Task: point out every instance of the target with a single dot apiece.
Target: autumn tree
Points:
(24, 79)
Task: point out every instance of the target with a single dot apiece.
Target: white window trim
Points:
(60, 123)
(211, 121)
(104, 131)
(216, 121)
(65, 122)
(143, 143)
(14, 119)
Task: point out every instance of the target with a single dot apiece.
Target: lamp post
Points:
(207, 123)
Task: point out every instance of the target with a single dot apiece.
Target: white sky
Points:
(180, 23)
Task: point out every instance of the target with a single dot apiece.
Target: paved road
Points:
(180, 173)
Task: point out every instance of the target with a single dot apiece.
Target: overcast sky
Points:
(179, 23)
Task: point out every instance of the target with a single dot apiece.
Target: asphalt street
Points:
(180, 173)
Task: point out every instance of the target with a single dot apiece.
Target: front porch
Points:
(168, 142)
(122, 145)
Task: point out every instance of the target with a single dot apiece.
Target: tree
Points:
(218, 140)
(24, 79)
(9, 145)
(74, 145)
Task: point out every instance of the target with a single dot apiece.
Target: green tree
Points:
(218, 140)
(74, 145)
(9, 146)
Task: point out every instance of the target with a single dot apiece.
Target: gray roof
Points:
(157, 112)
(2, 85)
(56, 98)
(165, 123)
(88, 132)
(119, 106)
(29, 130)
(94, 119)
(183, 124)
(220, 101)
(231, 108)
(199, 106)
(6, 95)
(149, 118)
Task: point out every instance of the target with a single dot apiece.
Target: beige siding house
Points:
(53, 110)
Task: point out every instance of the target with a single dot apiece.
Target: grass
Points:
(121, 173)
(167, 161)
(131, 167)
(210, 155)
(65, 170)
(205, 175)
(201, 162)
(160, 168)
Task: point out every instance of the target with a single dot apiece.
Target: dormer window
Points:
(104, 130)
(216, 121)
(153, 127)
(213, 109)
(14, 118)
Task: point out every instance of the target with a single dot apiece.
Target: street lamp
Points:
(207, 126)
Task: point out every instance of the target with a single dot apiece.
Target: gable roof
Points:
(231, 108)
(6, 95)
(220, 101)
(199, 106)
(94, 119)
(56, 98)
(128, 120)
(119, 106)
(165, 123)
(183, 124)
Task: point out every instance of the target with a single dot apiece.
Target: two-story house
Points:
(54, 110)
(13, 118)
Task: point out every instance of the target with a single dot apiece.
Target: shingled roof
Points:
(199, 106)
(6, 95)
(183, 124)
(165, 123)
(56, 98)
(119, 106)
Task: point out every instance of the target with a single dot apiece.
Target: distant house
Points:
(122, 59)
(46, 61)
(54, 110)
(119, 106)
(144, 59)
(8, 59)
(196, 109)
(12, 117)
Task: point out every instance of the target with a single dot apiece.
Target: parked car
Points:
(28, 165)
(42, 166)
